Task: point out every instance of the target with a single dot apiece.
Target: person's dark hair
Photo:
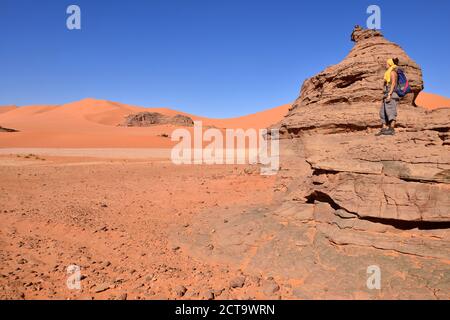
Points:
(395, 61)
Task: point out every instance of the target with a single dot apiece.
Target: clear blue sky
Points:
(216, 58)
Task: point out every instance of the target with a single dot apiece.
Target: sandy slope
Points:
(432, 101)
(7, 108)
(94, 123)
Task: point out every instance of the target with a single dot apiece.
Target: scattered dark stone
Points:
(122, 296)
(2, 129)
(237, 282)
(180, 290)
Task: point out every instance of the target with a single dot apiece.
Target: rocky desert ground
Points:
(115, 218)
(91, 184)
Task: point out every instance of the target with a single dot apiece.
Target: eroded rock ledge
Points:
(331, 157)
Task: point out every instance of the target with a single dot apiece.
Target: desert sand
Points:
(111, 218)
(91, 123)
(77, 188)
(100, 206)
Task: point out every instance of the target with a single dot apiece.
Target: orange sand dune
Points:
(4, 109)
(432, 101)
(91, 123)
(261, 119)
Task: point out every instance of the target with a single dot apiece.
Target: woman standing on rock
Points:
(388, 111)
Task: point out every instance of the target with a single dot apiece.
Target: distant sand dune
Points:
(432, 101)
(4, 109)
(92, 123)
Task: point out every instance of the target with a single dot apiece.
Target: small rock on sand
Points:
(122, 296)
(180, 290)
(102, 287)
(237, 282)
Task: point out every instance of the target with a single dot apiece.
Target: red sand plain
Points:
(114, 215)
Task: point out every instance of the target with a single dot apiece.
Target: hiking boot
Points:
(389, 132)
(381, 132)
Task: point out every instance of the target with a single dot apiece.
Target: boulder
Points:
(146, 119)
(2, 129)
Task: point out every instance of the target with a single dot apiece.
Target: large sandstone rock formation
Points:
(359, 77)
(405, 177)
(345, 199)
(391, 193)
